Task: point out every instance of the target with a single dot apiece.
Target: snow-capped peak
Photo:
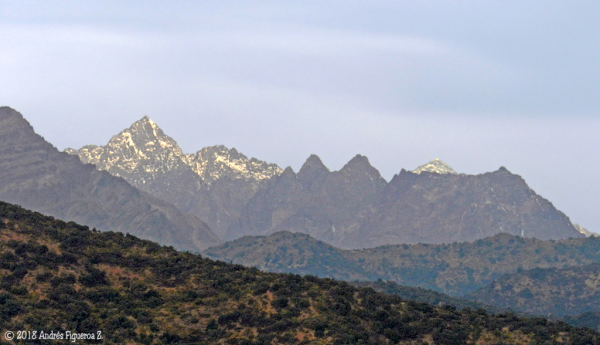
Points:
(435, 166)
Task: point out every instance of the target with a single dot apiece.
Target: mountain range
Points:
(350, 208)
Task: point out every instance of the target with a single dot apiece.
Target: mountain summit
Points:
(215, 162)
(148, 159)
(143, 154)
(140, 154)
(435, 166)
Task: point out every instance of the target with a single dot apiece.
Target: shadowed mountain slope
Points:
(34, 174)
(445, 208)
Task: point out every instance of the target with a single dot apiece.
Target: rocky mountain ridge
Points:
(356, 208)
(350, 208)
(142, 153)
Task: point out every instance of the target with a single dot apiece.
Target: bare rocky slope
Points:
(34, 174)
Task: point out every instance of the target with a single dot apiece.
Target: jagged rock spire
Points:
(313, 173)
(435, 166)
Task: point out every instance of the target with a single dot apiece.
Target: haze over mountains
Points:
(350, 208)
(456, 269)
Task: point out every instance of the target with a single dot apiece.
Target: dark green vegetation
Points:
(549, 278)
(551, 291)
(58, 276)
(589, 319)
(427, 296)
(456, 269)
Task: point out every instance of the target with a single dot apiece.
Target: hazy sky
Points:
(478, 84)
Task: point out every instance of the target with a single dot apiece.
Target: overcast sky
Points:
(478, 84)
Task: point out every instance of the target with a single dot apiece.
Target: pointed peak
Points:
(12, 120)
(358, 162)
(144, 129)
(313, 163)
(435, 166)
(359, 159)
(144, 121)
(289, 172)
(314, 158)
(313, 173)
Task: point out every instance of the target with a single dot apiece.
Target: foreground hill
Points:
(455, 269)
(34, 174)
(61, 277)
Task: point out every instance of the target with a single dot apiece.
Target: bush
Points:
(95, 277)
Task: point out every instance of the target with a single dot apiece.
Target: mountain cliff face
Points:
(213, 184)
(36, 175)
